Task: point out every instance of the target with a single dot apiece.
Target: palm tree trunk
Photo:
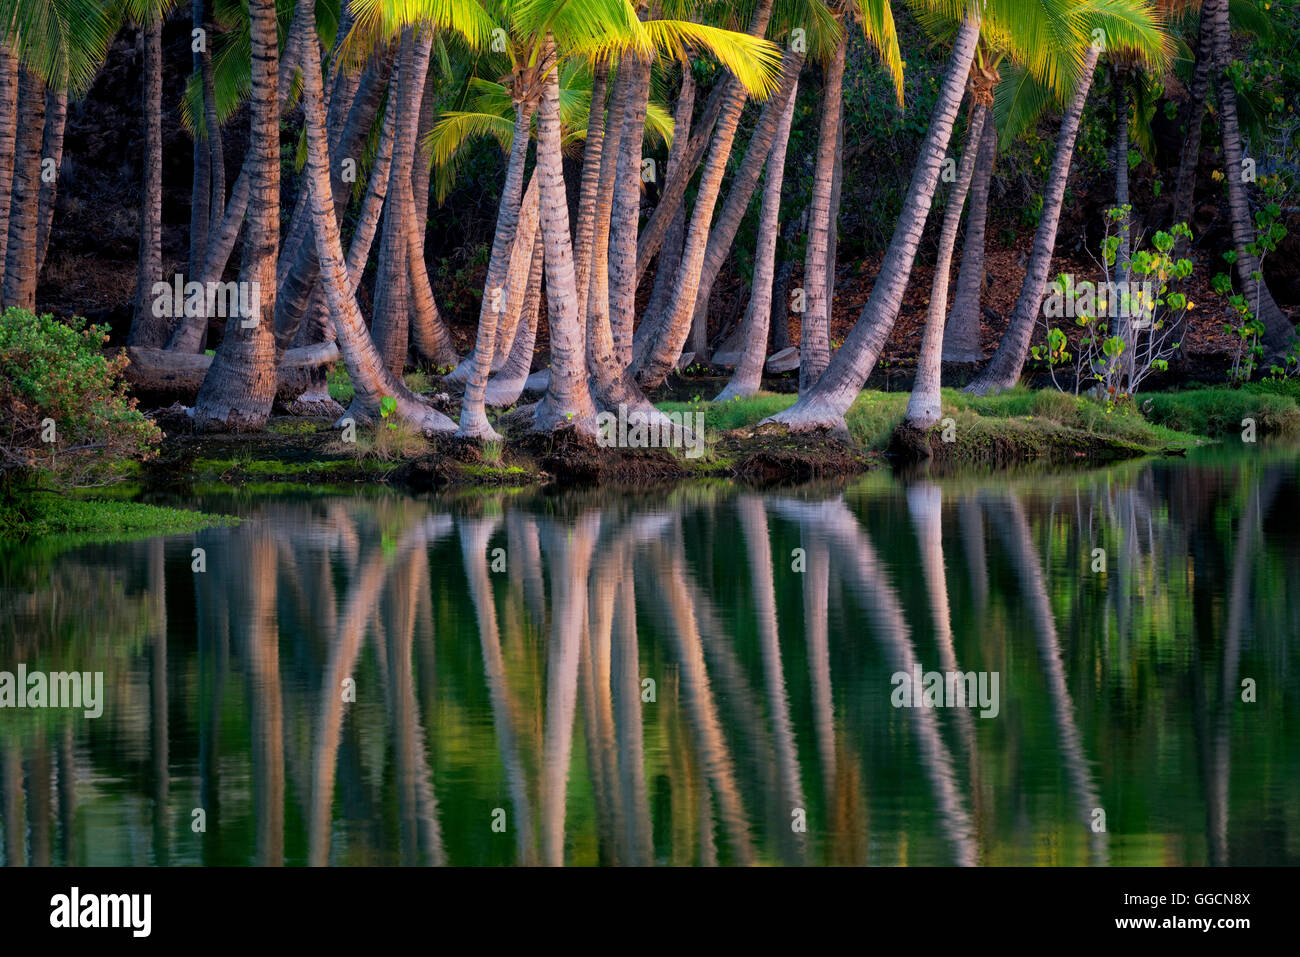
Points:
(189, 333)
(923, 404)
(1278, 331)
(670, 253)
(814, 337)
(370, 378)
(961, 338)
(826, 402)
(1003, 370)
(473, 414)
(504, 388)
(663, 346)
(201, 181)
(593, 152)
(146, 328)
(673, 197)
(389, 324)
(833, 230)
(56, 118)
(20, 259)
(743, 184)
(625, 214)
(567, 400)
(212, 126)
(8, 133)
(240, 385)
(594, 318)
(521, 259)
(1189, 157)
(748, 376)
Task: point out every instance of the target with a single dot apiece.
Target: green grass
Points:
(1218, 412)
(1018, 415)
(40, 514)
(339, 385)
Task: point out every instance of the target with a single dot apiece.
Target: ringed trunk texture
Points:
(814, 338)
(473, 414)
(824, 405)
(8, 133)
(1278, 331)
(923, 409)
(20, 259)
(748, 376)
(1190, 155)
(1003, 370)
(670, 252)
(146, 328)
(56, 119)
(370, 378)
(240, 385)
(505, 388)
(625, 212)
(961, 338)
(567, 400)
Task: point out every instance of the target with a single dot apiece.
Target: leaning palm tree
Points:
(1130, 25)
(825, 403)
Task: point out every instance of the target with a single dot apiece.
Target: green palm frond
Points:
(755, 62)
(876, 18)
(592, 28)
(383, 19)
(61, 41)
(1018, 101)
(1132, 31)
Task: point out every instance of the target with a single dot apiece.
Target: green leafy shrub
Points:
(67, 418)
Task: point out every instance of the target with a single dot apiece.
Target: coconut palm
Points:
(1133, 26)
(59, 45)
(824, 404)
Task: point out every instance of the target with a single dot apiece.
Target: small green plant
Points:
(387, 410)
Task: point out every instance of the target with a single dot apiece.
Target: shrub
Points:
(67, 418)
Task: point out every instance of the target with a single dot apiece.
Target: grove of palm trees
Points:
(466, 227)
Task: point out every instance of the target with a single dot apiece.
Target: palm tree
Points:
(1278, 331)
(824, 404)
(1130, 25)
(146, 328)
(748, 375)
(961, 337)
(240, 384)
(8, 131)
(59, 45)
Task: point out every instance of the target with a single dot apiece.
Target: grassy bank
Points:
(1018, 425)
(42, 514)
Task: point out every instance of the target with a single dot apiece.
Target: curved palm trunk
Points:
(567, 400)
(8, 133)
(1278, 331)
(146, 328)
(1121, 178)
(473, 415)
(517, 276)
(743, 184)
(670, 252)
(748, 376)
(825, 403)
(389, 324)
(504, 388)
(189, 333)
(626, 209)
(961, 337)
(56, 119)
(593, 311)
(429, 334)
(923, 404)
(662, 347)
(593, 153)
(240, 385)
(370, 378)
(20, 258)
(814, 337)
(1003, 370)
(215, 146)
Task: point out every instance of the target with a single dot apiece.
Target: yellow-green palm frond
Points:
(876, 17)
(1018, 101)
(61, 41)
(755, 62)
(818, 29)
(1132, 31)
(590, 28)
(375, 21)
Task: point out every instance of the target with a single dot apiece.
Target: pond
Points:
(1081, 669)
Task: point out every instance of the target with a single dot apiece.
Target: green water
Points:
(698, 676)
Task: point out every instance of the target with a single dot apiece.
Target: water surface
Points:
(700, 676)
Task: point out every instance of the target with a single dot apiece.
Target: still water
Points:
(707, 675)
